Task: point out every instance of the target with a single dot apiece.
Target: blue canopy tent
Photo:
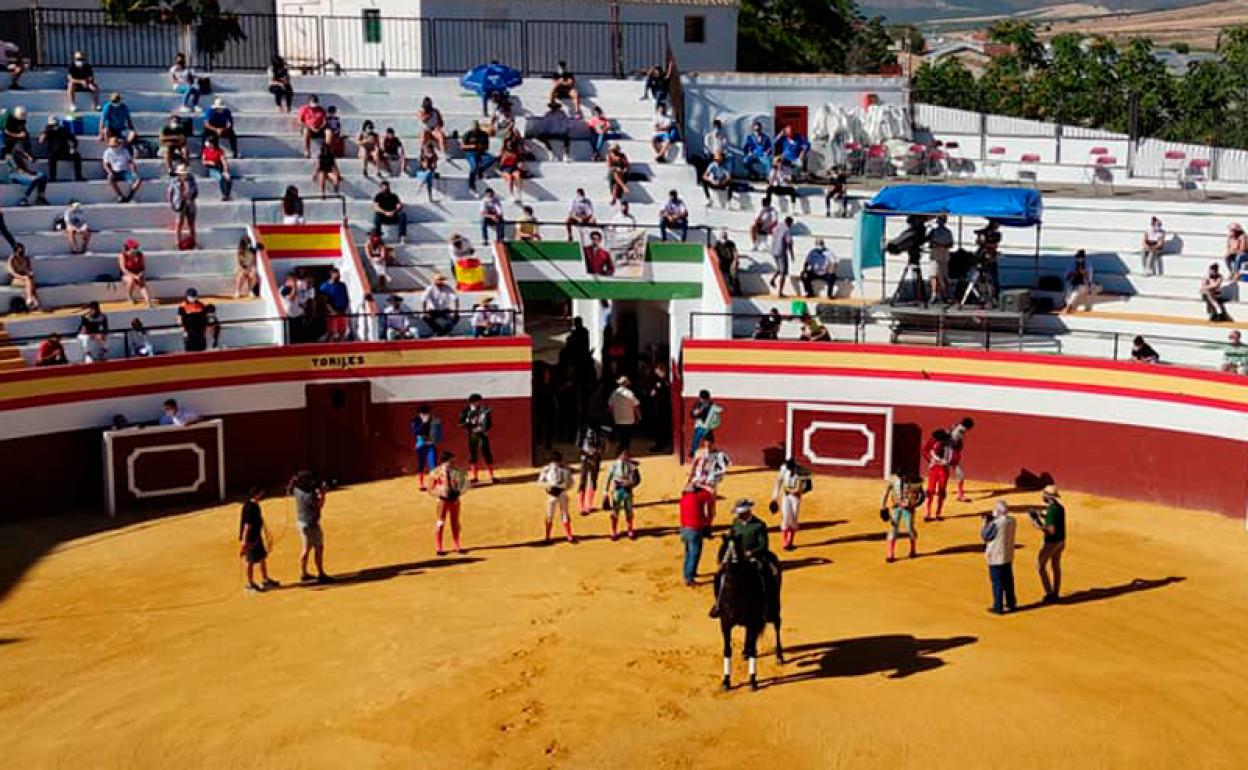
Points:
(1009, 206)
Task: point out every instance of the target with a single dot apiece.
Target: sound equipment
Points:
(1016, 300)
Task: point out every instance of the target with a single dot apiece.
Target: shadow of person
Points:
(860, 537)
(897, 655)
(389, 571)
(955, 550)
(1107, 592)
(807, 561)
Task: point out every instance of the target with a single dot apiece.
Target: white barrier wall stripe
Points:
(1093, 407)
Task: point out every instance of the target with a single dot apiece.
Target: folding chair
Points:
(1029, 168)
(1103, 173)
(954, 163)
(1090, 170)
(992, 163)
(1197, 172)
(1172, 164)
(876, 161)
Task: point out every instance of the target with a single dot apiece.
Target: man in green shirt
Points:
(1235, 356)
(1053, 523)
(751, 532)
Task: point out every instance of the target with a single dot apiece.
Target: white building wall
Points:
(740, 98)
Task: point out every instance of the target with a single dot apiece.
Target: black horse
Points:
(749, 596)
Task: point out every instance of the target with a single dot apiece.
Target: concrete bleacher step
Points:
(77, 268)
(35, 326)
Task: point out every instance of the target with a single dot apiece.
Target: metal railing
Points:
(339, 44)
(342, 200)
(850, 324)
(360, 327)
(707, 231)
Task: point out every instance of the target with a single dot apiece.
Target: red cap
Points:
(131, 243)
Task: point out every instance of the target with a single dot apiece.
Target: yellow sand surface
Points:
(136, 647)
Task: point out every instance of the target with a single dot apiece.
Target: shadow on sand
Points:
(389, 571)
(1106, 592)
(897, 655)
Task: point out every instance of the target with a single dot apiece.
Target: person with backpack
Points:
(427, 432)
(707, 416)
(591, 442)
(622, 479)
(555, 478)
(792, 482)
(476, 421)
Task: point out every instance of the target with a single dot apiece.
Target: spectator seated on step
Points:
(77, 229)
(717, 177)
(666, 133)
(388, 210)
(24, 170)
(657, 84)
(219, 122)
(1211, 286)
(51, 352)
(1235, 354)
(398, 322)
(132, 266)
(674, 217)
(312, 120)
(326, 170)
(61, 145)
(475, 144)
(554, 126)
(115, 120)
(819, 266)
(16, 130)
(185, 83)
(80, 78)
(440, 306)
(1142, 352)
(120, 169)
(793, 147)
(563, 86)
(580, 212)
(173, 150)
(173, 413)
(488, 319)
(217, 167)
(780, 181)
(836, 192)
(292, 206)
(137, 341)
(393, 155)
(93, 333)
(1236, 252)
(527, 228)
(757, 153)
(768, 326)
(432, 126)
(21, 270)
(279, 83)
(599, 132)
(379, 257)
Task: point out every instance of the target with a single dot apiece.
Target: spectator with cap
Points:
(173, 141)
(61, 145)
(23, 170)
(51, 352)
(217, 167)
(440, 306)
(116, 121)
(193, 320)
(388, 210)
(16, 131)
(563, 86)
(1053, 524)
(21, 270)
(77, 229)
(219, 122)
(312, 120)
(666, 133)
(120, 168)
(674, 216)
(433, 127)
(80, 78)
(1235, 354)
(93, 333)
(182, 195)
(819, 266)
(133, 266)
(184, 83)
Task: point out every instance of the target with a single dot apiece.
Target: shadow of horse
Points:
(897, 655)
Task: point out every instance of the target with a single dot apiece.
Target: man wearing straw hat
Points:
(1053, 524)
(440, 306)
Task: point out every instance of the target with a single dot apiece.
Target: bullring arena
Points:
(156, 386)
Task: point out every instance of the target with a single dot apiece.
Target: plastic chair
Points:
(855, 159)
(1197, 172)
(1172, 163)
(877, 161)
(1103, 172)
(993, 160)
(1094, 156)
(953, 159)
(916, 160)
(1029, 168)
(937, 164)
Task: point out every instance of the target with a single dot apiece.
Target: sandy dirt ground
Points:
(137, 647)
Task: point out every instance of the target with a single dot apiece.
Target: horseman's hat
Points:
(742, 506)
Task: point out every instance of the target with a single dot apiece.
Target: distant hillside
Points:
(940, 10)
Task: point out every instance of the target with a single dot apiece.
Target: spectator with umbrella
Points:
(490, 81)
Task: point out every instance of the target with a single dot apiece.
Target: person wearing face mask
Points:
(80, 78)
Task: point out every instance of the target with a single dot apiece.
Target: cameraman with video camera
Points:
(309, 493)
(987, 282)
(910, 242)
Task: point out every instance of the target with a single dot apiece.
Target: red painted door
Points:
(794, 116)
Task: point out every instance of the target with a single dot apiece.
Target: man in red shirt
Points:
(598, 259)
(133, 265)
(312, 117)
(939, 456)
(51, 352)
(693, 528)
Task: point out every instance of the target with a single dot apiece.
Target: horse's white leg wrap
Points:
(753, 666)
(727, 666)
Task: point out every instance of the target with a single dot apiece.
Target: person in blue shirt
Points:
(115, 120)
(219, 122)
(427, 432)
(793, 147)
(757, 152)
(335, 293)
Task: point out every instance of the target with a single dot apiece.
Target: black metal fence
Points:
(340, 44)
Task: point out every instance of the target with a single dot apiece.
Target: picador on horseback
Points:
(747, 588)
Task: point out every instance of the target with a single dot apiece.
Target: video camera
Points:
(911, 240)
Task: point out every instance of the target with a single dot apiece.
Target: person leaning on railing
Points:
(1235, 355)
(51, 352)
(440, 306)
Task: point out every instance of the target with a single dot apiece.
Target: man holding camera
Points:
(998, 536)
(1053, 524)
(309, 493)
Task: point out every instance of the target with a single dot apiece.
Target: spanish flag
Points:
(469, 274)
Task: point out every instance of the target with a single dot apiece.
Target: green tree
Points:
(794, 35)
(870, 49)
(1021, 36)
(214, 29)
(947, 83)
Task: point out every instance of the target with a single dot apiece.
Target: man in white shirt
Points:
(440, 306)
(764, 224)
(580, 212)
(674, 216)
(715, 142)
(491, 217)
(717, 177)
(398, 325)
(172, 414)
(119, 167)
(625, 413)
(819, 266)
